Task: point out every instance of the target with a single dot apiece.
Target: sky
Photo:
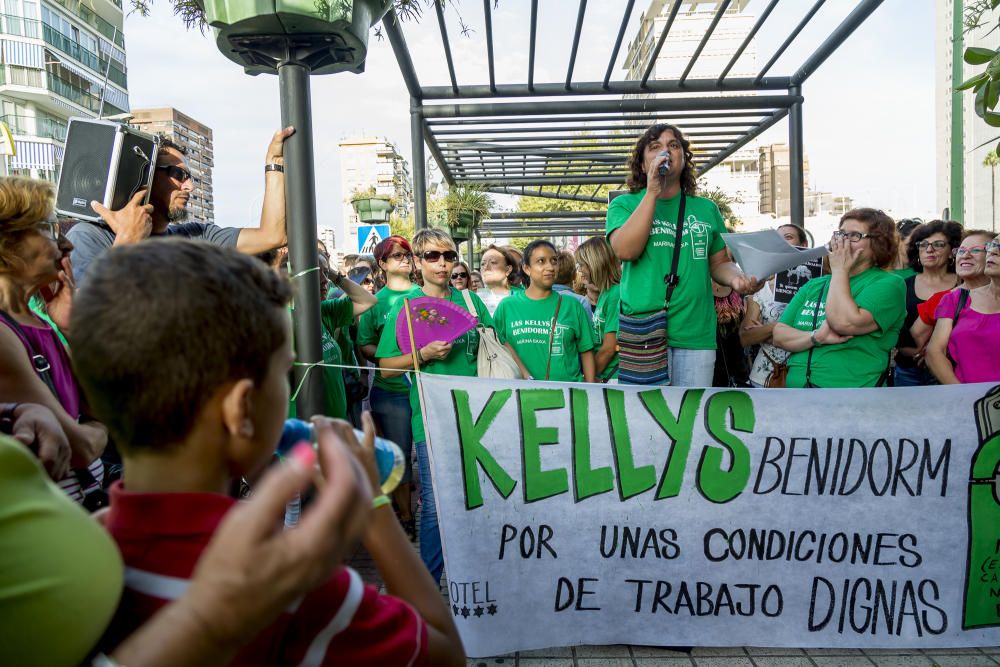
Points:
(868, 111)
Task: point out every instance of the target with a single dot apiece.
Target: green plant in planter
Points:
(459, 211)
(372, 207)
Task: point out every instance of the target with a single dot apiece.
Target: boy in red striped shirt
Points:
(192, 378)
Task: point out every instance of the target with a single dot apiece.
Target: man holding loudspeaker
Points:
(171, 188)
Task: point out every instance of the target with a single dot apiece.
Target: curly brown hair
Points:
(637, 176)
(882, 229)
(24, 202)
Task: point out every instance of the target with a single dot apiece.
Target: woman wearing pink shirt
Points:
(967, 334)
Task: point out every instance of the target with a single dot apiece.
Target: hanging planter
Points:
(372, 208)
(458, 223)
(327, 35)
(460, 211)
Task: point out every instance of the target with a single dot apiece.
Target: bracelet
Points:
(420, 357)
(812, 337)
(379, 501)
(274, 166)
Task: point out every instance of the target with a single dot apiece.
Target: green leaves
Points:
(975, 81)
(979, 56)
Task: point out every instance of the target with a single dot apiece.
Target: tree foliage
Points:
(724, 201)
(985, 84)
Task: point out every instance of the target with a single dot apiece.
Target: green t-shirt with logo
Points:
(860, 361)
(370, 327)
(606, 321)
(460, 361)
(334, 313)
(526, 324)
(691, 312)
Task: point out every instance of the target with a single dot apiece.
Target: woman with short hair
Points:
(460, 276)
(840, 329)
(602, 271)
(967, 333)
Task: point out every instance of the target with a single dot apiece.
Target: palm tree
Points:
(992, 160)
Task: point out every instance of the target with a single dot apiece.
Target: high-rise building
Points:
(976, 138)
(737, 175)
(328, 237)
(196, 138)
(367, 162)
(776, 179)
(61, 58)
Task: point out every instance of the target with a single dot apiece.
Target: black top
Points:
(905, 339)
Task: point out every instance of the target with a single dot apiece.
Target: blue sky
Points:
(869, 111)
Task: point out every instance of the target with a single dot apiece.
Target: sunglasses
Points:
(459, 274)
(450, 256)
(179, 174)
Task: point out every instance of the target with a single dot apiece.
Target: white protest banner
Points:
(595, 514)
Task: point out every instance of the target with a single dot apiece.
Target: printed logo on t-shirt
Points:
(805, 318)
(698, 233)
(562, 331)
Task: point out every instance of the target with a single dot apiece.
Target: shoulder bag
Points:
(493, 360)
(643, 350)
(552, 335)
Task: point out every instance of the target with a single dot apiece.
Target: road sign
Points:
(369, 236)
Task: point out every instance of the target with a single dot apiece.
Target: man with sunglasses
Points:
(164, 215)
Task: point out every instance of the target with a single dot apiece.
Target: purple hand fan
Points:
(433, 319)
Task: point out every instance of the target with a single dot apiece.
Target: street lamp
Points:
(297, 38)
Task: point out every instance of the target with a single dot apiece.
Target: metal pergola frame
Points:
(510, 139)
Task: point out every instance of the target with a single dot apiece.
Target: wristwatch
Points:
(812, 337)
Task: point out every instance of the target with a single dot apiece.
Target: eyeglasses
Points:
(179, 174)
(993, 247)
(937, 245)
(975, 250)
(853, 237)
(459, 274)
(49, 229)
(450, 256)
(399, 256)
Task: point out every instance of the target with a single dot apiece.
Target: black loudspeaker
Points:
(106, 162)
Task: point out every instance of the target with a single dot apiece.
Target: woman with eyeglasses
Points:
(475, 281)
(435, 255)
(34, 259)
(460, 276)
(601, 271)
(931, 255)
(966, 334)
(550, 332)
(840, 329)
(501, 275)
(970, 262)
(390, 396)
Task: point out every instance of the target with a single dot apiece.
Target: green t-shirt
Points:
(691, 312)
(334, 314)
(526, 324)
(460, 361)
(60, 571)
(606, 321)
(370, 328)
(860, 361)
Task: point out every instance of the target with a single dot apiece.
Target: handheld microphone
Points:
(664, 167)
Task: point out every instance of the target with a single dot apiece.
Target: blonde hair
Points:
(24, 202)
(601, 261)
(431, 236)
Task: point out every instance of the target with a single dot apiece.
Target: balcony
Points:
(100, 66)
(93, 20)
(23, 76)
(36, 126)
(19, 26)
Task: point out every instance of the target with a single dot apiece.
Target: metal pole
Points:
(300, 216)
(419, 164)
(796, 161)
(957, 172)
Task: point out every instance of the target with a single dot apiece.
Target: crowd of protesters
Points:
(177, 388)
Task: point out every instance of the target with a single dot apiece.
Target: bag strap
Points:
(671, 279)
(469, 305)
(809, 359)
(552, 335)
(963, 298)
(38, 361)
